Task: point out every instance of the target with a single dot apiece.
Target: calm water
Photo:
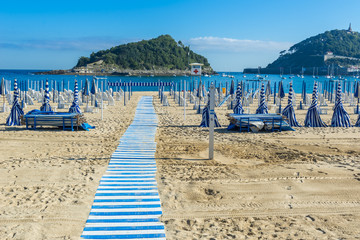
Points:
(67, 81)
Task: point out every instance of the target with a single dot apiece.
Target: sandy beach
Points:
(288, 185)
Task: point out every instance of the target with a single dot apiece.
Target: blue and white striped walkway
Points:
(127, 203)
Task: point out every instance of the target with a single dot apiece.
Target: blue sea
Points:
(27, 77)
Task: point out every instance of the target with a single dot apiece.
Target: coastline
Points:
(126, 72)
(302, 184)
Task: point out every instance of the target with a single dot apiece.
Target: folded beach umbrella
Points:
(46, 103)
(86, 89)
(16, 110)
(357, 95)
(75, 104)
(262, 109)
(312, 118)
(232, 87)
(205, 121)
(199, 90)
(199, 94)
(303, 92)
(289, 111)
(274, 92)
(3, 91)
(268, 89)
(281, 93)
(93, 89)
(238, 109)
(340, 117)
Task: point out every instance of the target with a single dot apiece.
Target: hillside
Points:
(338, 48)
(162, 53)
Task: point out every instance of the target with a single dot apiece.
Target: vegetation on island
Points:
(311, 51)
(162, 52)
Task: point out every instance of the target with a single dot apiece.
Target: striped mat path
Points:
(127, 203)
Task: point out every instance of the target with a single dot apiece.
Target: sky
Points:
(232, 34)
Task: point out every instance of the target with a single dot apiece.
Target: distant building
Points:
(328, 55)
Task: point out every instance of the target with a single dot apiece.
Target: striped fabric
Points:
(238, 109)
(75, 104)
(16, 111)
(46, 104)
(262, 109)
(127, 203)
(313, 118)
(205, 121)
(289, 111)
(340, 117)
(140, 84)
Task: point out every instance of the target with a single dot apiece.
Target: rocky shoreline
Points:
(127, 72)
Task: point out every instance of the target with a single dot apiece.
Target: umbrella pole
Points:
(280, 106)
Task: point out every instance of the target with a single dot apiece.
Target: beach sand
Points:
(49, 177)
(288, 185)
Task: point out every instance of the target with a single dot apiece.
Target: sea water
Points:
(28, 77)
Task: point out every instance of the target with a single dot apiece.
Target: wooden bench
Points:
(256, 122)
(55, 119)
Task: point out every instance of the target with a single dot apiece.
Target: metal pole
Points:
(125, 94)
(184, 100)
(211, 123)
(102, 106)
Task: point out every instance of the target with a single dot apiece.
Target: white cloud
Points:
(236, 45)
(80, 44)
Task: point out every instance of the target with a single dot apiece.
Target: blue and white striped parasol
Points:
(16, 110)
(340, 117)
(238, 109)
(205, 121)
(262, 109)
(46, 104)
(75, 104)
(313, 118)
(289, 111)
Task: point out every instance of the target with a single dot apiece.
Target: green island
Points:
(335, 52)
(161, 56)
